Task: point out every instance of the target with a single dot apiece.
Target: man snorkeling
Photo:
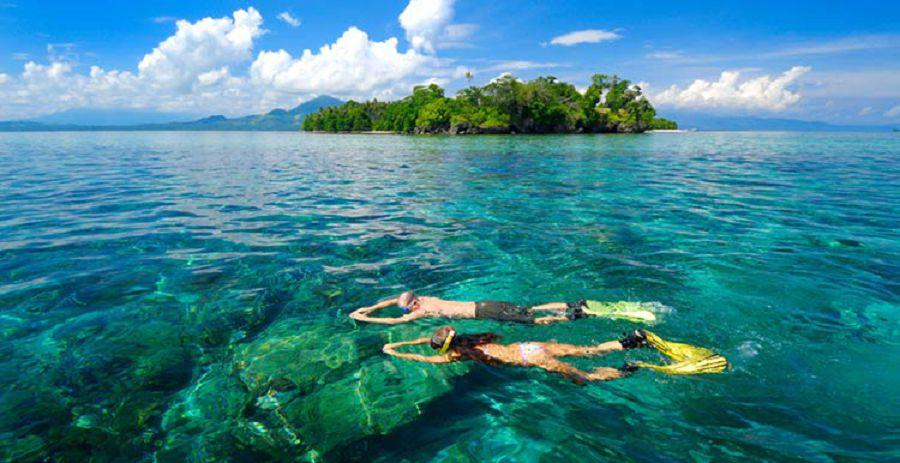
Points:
(482, 347)
(415, 307)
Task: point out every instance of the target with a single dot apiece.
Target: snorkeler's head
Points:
(463, 345)
(408, 301)
(443, 338)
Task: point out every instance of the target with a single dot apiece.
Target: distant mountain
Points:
(96, 116)
(273, 121)
(701, 121)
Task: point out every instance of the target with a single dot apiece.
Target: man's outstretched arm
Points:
(362, 314)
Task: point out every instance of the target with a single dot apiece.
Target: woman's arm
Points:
(391, 350)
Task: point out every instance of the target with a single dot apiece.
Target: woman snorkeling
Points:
(482, 347)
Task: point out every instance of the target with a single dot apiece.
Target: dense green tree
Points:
(435, 115)
(550, 106)
(659, 123)
(505, 94)
(506, 104)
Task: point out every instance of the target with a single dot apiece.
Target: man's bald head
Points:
(406, 299)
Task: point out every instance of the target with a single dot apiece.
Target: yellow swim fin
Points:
(689, 360)
(676, 351)
(712, 364)
(626, 310)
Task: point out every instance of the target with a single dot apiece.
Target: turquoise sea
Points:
(184, 296)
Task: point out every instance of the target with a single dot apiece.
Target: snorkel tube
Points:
(447, 341)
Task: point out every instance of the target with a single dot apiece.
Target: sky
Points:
(813, 60)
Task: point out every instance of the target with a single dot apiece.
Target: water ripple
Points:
(175, 296)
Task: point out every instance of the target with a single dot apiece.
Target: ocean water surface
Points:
(184, 296)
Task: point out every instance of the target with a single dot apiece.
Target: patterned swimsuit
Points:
(529, 350)
(526, 349)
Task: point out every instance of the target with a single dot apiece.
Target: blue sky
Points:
(833, 61)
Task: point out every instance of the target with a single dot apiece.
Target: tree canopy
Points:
(505, 105)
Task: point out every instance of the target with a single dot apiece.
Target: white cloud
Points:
(213, 77)
(765, 92)
(187, 71)
(199, 47)
(63, 52)
(585, 36)
(456, 36)
(208, 66)
(426, 21)
(289, 19)
(893, 112)
(878, 83)
(664, 55)
(352, 65)
(521, 65)
(842, 45)
(43, 85)
(865, 111)
(504, 75)
(459, 31)
(849, 44)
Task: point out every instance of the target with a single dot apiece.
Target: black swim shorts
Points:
(496, 310)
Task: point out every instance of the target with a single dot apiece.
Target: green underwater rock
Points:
(30, 448)
(97, 385)
(298, 359)
(193, 423)
(310, 381)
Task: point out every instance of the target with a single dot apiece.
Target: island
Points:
(506, 105)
